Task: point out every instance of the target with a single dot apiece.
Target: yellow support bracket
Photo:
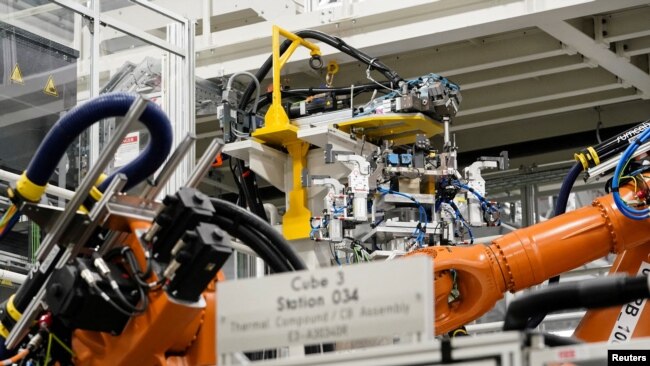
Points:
(277, 129)
(296, 221)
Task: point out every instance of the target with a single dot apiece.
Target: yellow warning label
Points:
(50, 88)
(17, 76)
(6, 283)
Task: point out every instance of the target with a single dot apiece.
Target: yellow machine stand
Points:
(278, 132)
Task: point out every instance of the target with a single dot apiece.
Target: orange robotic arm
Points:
(529, 256)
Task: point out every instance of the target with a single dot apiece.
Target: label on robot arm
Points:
(356, 302)
(630, 314)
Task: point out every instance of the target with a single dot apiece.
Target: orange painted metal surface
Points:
(479, 279)
(168, 333)
(531, 255)
(174, 334)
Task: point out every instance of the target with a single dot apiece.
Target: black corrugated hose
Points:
(589, 294)
(238, 217)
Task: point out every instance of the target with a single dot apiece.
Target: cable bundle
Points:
(626, 210)
(485, 204)
(258, 234)
(9, 219)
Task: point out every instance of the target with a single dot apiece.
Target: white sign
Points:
(371, 300)
(630, 314)
(129, 149)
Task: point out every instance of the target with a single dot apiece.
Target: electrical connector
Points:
(35, 342)
(179, 245)
(101, 266)
(149, 235)
(88, 276)
(171, 269)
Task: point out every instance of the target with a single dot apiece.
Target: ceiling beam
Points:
(543, 112)
(608, 60)
(636, 46)
(207, 119)
(503, 62)
(627, 25)
(550, 126)
(220, 185)
(208, 135)
(498, 53)
(536, 88)
(540, 99)
(379, 34)
(539, 68)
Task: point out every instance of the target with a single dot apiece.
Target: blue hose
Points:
(565, 189)
(485, 205)
(419, 232)
(78, 119)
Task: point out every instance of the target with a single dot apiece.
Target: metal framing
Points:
(93, 142)
(125, 28)
(180, 45)
(160, 10)
(504, 349)
(177, 100)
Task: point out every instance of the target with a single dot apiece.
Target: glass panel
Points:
(40, 18)
(130, 67)
(136, 16)
(44, 63)
(41, 59)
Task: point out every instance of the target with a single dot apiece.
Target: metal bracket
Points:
(600, 31)
(331, 154)
(308, 179)
(327, 181)
(502, 160)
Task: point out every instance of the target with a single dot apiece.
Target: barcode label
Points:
(630, 314)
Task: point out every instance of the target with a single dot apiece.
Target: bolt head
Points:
(217, 234)
(199, 197)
